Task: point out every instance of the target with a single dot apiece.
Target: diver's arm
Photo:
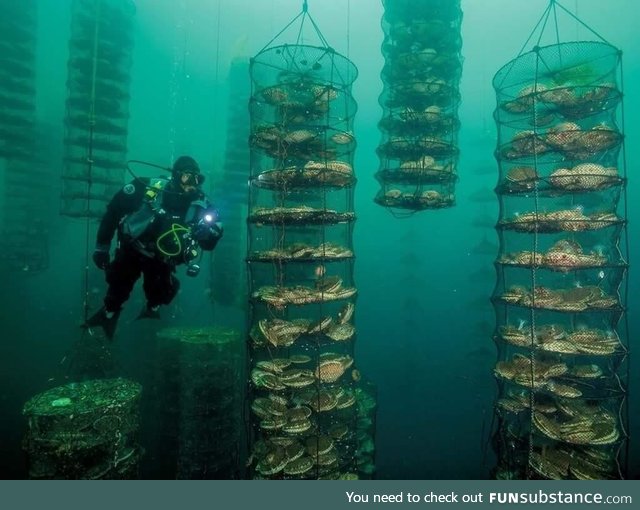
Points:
(125, 201)
(109, 223)
(107, 228)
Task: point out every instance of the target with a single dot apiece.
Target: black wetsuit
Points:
(160, 284)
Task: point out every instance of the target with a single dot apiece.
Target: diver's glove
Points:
(101, 256)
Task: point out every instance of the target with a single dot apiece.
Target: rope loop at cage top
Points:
(303, 16)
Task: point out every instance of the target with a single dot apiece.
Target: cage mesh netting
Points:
(85, 430)
(17, 79)
(228, 272)
(309, 418)
(97, 107)
(560, 298)
(26, 184)
(200, 373)
(163, 401)
(421, 75)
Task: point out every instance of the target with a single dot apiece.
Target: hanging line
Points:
(216, 100)
(178, 71)
(92, 123)
(626, 255)
(216, 88)
(554, 4)
(348, 29)
(555, 19)
(304, 14)
(72, 353)
(537, 46)
(324, 42)
(581, 22)
(543, 21)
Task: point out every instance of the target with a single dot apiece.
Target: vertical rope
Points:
(349, 32)
(177, 65)
(216, 100)
(555, 22)
(92, 123)
(627, 259)
(581, 22)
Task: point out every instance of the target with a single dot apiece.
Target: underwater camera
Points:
(208, 218)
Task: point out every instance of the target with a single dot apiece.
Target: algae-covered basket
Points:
(84, 430)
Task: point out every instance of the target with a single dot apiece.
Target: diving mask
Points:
(191, 179)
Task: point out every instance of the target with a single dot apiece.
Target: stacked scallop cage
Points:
(17, 80)
(419, 152)
(560, 296)
(198, 401)
(97, 107)
(228, 272)
(303, 394)
(85, 430)
(26, 184)
(210, 403)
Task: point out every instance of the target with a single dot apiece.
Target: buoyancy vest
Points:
(153, 231)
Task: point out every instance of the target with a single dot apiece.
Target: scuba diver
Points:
(161, 223)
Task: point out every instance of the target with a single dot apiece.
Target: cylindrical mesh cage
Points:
(97, 107)
(560, 295)
(209, 402)
(26, 184)
(304, 396)
(421, 75)
(17, 79)
(227, 271)
(163, 402)
(84, 430)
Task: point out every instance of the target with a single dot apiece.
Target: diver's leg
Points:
(160, 286)
(122, 275)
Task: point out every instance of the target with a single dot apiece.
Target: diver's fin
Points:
(105, 320)
(148, 312)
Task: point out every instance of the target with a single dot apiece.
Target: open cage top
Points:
(290, 63)
(575, 63)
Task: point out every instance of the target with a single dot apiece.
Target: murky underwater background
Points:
(424, 317)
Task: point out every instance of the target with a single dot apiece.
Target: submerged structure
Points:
(560, 298)
(205, 414)
(228, 272)
(84, 430)
(304, 398)
(26, 183)
(97, 107)
(421, 75)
